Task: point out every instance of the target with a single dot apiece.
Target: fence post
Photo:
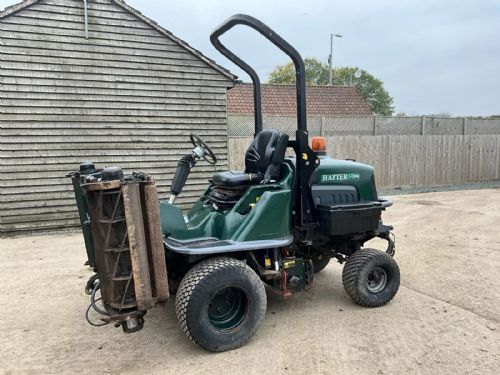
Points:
(374, 125)
(422, 121)
(465, 126)
(322, 126)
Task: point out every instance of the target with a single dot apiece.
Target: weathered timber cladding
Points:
(129, 95)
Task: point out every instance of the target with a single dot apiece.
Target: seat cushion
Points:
(232, 179)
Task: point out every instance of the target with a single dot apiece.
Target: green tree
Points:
(316, 73)
(371, 89)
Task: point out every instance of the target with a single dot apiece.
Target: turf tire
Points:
(357, 270)
(197, 292)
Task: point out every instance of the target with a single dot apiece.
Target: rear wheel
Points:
(371, 277)
(220, 304)
(320, 261)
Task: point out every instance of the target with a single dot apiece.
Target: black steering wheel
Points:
(208, 154)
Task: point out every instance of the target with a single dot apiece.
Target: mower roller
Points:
(273, 225)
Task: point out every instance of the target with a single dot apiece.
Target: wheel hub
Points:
(228, 308)
(377, 280)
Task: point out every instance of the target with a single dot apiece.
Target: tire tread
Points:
(350, 275)
(193, 282)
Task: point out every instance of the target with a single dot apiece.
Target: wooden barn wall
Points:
(126, 96)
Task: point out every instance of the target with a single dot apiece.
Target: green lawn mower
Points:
(273, 225)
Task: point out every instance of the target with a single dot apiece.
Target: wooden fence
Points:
(409, 160)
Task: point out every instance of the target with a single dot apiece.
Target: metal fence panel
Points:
(398, 125)
(483, 126)
(444, 126)
(243, 126)
(348, 126)
(240, 126)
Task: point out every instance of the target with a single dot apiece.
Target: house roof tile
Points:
(338, 101)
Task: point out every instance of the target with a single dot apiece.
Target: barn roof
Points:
(26, 3)
(281, 100)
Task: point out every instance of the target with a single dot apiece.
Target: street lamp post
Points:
(357, 75)
(330, 57)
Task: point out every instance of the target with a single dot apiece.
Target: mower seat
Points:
(232, 179)
(262, 162)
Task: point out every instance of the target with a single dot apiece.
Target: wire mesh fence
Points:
(243, 126)
(398, 126)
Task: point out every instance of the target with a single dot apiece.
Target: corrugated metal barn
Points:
(127, 93)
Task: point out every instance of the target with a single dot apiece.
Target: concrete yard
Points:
(445, 318)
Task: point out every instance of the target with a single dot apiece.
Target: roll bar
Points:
(306, 161)
(268, 33)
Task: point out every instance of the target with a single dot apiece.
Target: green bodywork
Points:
(346, 172)
(262, 213)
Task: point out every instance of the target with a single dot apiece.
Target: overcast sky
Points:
(433, 56)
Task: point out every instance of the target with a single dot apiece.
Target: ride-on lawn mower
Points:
(275, 225)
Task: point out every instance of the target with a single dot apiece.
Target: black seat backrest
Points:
(266, 153)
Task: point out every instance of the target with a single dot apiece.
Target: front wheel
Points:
(220, 304)
(371, 277)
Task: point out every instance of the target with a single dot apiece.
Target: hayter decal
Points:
(339, 177)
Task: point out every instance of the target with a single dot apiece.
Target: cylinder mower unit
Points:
(130, 266)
